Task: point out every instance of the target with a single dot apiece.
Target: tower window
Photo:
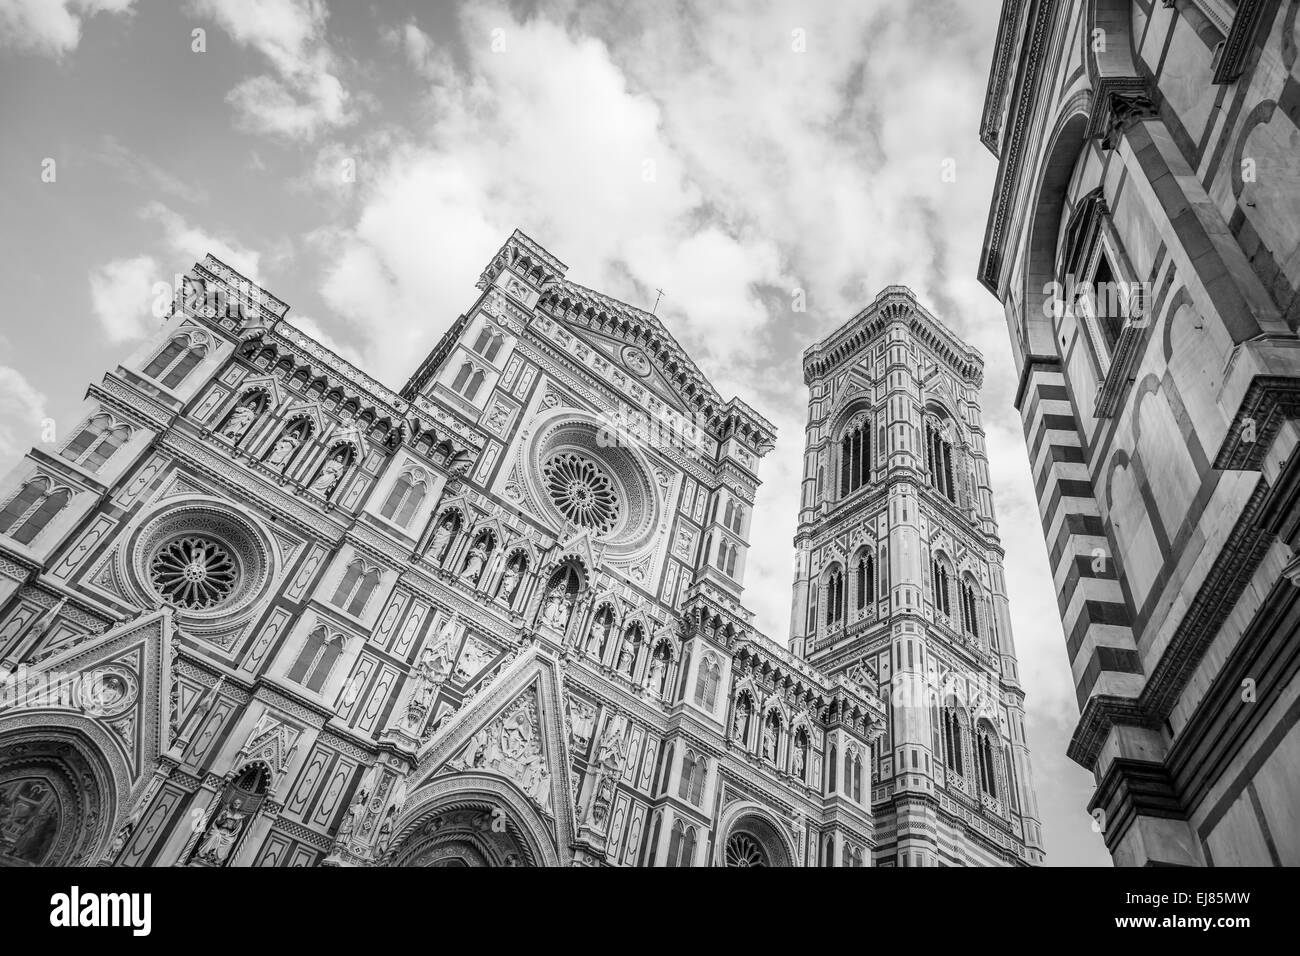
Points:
(855, 457)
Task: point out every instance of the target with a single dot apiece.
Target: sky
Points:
(364, 161)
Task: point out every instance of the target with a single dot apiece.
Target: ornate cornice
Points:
(999, 73)
(1019, 115)
(1240, 38)
(1270, 400)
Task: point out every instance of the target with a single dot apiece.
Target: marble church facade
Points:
(1144, 239)
(257, 609)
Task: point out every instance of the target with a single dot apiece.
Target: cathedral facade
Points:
(1143, 240)
(257, 609)
(899, 581)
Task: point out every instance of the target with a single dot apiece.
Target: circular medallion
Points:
(636, 361)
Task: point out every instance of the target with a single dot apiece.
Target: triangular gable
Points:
(514, 729)
(120, 682)
(577, 543)
(639, 327)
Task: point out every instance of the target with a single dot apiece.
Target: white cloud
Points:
(22, 416)
(51, 27)
(302, 96)
(193, 243)
(122, 295)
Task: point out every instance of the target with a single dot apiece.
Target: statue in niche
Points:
(431, 673)
(609, 767)
(655, 674)
(474, 562)
(556, 612)
(603, 627)
(627, 658)
(796, 763)
(509, 582)
(329, 475)
(442, 537)
(220, 838)
(240, 420)
(738, 724)
(769, 742)
(283, 451)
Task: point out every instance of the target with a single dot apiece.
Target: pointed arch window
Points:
(855, 457)
(939, 585)
(985, 764)
(832, 769)
(706, 683)
(95, 443)
(488, 343)
(681, 846)
(969, 609)
(316, 660)
(938, 459)
(405, 498)
(355, 588)
(468, 381)
(952, 744)
(835, 596)
(866, 580)
(695, 768)
(175, 361)
(29, 512)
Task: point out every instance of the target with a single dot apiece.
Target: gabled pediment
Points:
(119, 681)
(513, 730)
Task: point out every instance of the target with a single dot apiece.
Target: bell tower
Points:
(899, 584)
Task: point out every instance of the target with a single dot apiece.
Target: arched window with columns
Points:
(316, 659)
(355, 588)
(939, 456)
(31, 510)
(834, 595)
(865, 584)
(855, 456)
(986, 762)
(969, 607)
(488, 343)
(405, 497)
(95, 442)
(176, 360)
(706, 682)
(681, 846)
(952, 742)
(468, 381)
(940, 585)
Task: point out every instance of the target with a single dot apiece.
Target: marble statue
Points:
(240, 421)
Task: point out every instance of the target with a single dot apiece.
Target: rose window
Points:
(582, 491)
(744, 850)
(194, 572)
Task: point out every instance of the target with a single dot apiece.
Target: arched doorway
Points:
(57, 799)
(754, 840)
(472, 820)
